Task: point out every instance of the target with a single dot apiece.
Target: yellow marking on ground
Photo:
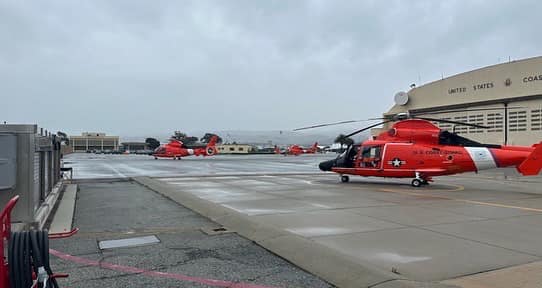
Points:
(499, 205)
(459, 188)
(455, 188)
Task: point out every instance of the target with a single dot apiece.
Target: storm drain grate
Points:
(128, 242)
(215, 231)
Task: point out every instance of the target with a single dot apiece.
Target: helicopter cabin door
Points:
(371, 157)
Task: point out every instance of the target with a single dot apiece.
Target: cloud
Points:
(135, 67)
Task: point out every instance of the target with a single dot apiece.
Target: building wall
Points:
(94, 141)
(517, 85)
(234, 149)
(134, 146)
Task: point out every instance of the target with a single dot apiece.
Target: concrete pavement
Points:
(456, 227)
(370, 232)
(193, 251)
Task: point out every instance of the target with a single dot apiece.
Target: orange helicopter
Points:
(297, 150)
(416, 148)
(176, 149)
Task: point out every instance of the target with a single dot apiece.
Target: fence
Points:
(30, 167)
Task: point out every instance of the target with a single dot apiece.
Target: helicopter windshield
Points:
(370, 156)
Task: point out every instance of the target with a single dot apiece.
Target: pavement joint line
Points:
(512, 180)
(362, 232)
(461, 200)
(427, 228)
(485, 243)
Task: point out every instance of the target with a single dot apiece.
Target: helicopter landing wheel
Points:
(345, 178)
(416, 183)
(155, 158)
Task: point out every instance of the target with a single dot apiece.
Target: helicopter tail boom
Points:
(533, 164)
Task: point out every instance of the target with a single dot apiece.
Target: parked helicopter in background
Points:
(176, 149)
(415, 148)
(297, 150)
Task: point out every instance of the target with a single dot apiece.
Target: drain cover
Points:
(215, 231)
(128, 242)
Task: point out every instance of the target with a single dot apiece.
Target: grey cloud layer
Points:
(136, 67)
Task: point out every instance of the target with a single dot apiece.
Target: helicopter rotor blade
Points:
(367, 128)
(452, 122)
(329, 124)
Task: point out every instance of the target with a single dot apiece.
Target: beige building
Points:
(94, 141)
(234, 148)
(514, 89)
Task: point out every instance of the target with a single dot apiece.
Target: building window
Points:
(477, 120)
(494, 121)
(461, 129)
(241, 149)
(443, 125)
(536, 119)
(518, 121)
(232, 149)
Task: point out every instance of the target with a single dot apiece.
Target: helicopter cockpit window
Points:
(370, 156)
(347, 157)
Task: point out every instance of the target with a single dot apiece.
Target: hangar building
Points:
(513, 89)
(94, 141)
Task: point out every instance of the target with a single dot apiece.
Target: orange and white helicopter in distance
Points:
(416, 148)
(176, 149)
(297, 150)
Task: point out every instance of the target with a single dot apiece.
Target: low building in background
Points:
(234, 148)
(94, 142)
(134, 146)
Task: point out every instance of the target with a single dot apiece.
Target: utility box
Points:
(8, 161)
(30, 168)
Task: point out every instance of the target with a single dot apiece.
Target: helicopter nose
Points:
(326, 165)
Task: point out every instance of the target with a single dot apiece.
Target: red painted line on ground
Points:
(128, 269)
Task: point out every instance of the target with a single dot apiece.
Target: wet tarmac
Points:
(459, 225)
(191, 250)
(91, 166)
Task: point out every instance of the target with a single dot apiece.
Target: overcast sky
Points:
(147, 67)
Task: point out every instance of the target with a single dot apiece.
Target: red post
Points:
(5, 231)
